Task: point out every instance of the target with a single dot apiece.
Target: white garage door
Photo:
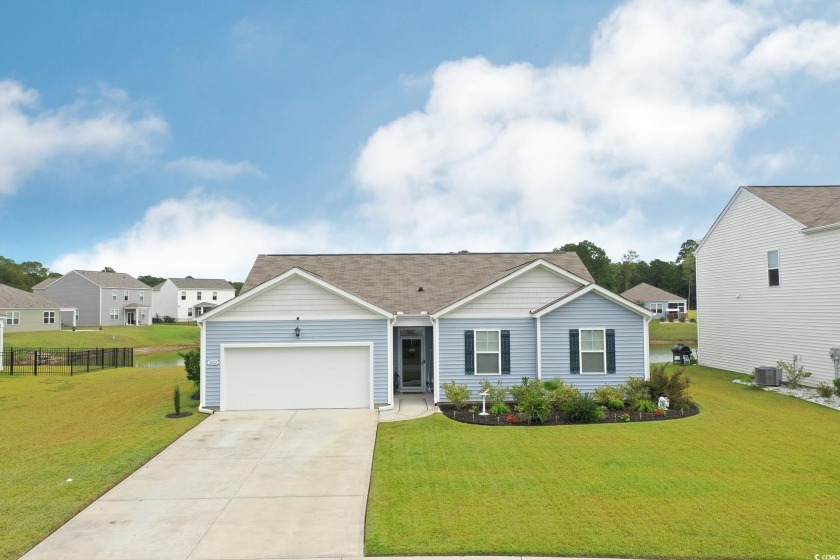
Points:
(296, 377)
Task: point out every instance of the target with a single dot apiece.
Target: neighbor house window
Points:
(593, 351)
(198, 296)
(487, 353)
(773, 268)
(49, 317)
(215, 296)
(676, 307)
(183, 296)
(13, 317)
(142, 296)
(115, 314)
(125, 295)
(113, 295)
(656, 307)
(189, 312)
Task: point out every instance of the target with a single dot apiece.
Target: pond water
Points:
(159, 359)
(662, 352)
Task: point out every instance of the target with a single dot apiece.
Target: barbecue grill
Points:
(681, 354)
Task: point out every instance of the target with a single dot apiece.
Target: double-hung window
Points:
(487, 353)
(656, 307)
(125, 295)
(113, 295)
(49, 317)
(215, 296)
(198, 296)
(142, 296)
(593, 351)
(115, 314)
(13, 317)
(773, 268)
(183, 296)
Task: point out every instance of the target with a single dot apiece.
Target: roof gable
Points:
(593, 288)
(112, 279)
(646, 292)
(813, 207)
(13, 298)
(393, 282)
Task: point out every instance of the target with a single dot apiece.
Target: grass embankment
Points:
(753, 475)
(95, 428)
(155, 336)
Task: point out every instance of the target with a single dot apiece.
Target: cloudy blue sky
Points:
(175, 138)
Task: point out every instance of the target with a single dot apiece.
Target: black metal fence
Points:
(64, 361)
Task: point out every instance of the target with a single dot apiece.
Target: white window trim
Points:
(655, 307)
(777, 268)
(142, 295)
(679, 307)
(112, 313)
(581, 351)
(476, 352)
(215, 296)
(198, 296)
(125, 295)
(113, 295)
(183, 296)
(49, 317)
(12, 318)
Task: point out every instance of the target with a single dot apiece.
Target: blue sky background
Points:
(185, 138)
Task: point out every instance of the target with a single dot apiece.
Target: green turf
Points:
(96, 428)
(672, 332)
(157, 335)
(754, 475)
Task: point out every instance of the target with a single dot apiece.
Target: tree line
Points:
(675, 276)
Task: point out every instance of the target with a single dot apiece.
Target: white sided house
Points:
(657, 300)
(348, 331)
(186, 299)
(768, 281)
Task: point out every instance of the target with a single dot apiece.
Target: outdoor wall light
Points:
(297, 332)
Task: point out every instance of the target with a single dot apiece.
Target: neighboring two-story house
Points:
(185, 299)
(102, 298)
(768, 281)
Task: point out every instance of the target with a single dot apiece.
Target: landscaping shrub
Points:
(635, 390)
(837, 387)
(192, 364)
(674, 386)
(582, 409)
(560, 392)
(499, 408)
(825, 391)
(692, 320)
(616, 404)
(662, 319)
(645, 405)
(496, 394)
(457, 394)
(532, 400)
(607, 394)
(176, 398)
(793, 375)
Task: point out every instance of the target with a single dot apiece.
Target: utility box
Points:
(768, 375)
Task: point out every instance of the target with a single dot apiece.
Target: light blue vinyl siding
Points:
(261, 332)
(523, 351)
(593, 311)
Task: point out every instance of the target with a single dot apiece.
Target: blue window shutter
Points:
(469, 352)
(505, 352)
(574, 351)
(610, 350)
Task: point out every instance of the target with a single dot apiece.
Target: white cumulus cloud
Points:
(95, 127)
(213, 169)
(518, 156)
(198, 235)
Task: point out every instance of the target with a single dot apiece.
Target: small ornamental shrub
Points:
(496, 394)
(582, 409)
(624, 417)
(662, 319)
(176, 398)
(192, 364)
(499, 408)
(562, 393)
(645, 406)
(692, 320)
(661, 412)
(793, 376)
(616, 404)
(603, 395)
(837, 387)
(532, 400)
(681, 317)
(825, 391)
(674, 386)
(635, 390)
(457, 394)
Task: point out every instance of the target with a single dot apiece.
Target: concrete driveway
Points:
(240, 485)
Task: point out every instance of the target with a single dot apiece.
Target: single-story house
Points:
(660, 302)
(348, 331)
(26, 312)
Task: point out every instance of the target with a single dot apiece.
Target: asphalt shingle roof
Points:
(811, 206)
(201, 284)
(646, 292)
(12, 298)
(44, 283)
(113, 280)
(393, 281)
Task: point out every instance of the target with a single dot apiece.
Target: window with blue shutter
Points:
(505, 352)
(574, 351)
(610, 350)
(469, 353)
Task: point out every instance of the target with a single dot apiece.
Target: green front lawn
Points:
(95, 428)
(157, 335)
(673, 332)
(754, 475)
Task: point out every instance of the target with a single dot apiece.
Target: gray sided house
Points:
(26, 312)
(349, 331)
(102, 298)
(658, 301)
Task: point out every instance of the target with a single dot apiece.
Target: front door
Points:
(129, 318)
(412, 364)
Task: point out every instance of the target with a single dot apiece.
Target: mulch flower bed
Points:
(557, 419)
